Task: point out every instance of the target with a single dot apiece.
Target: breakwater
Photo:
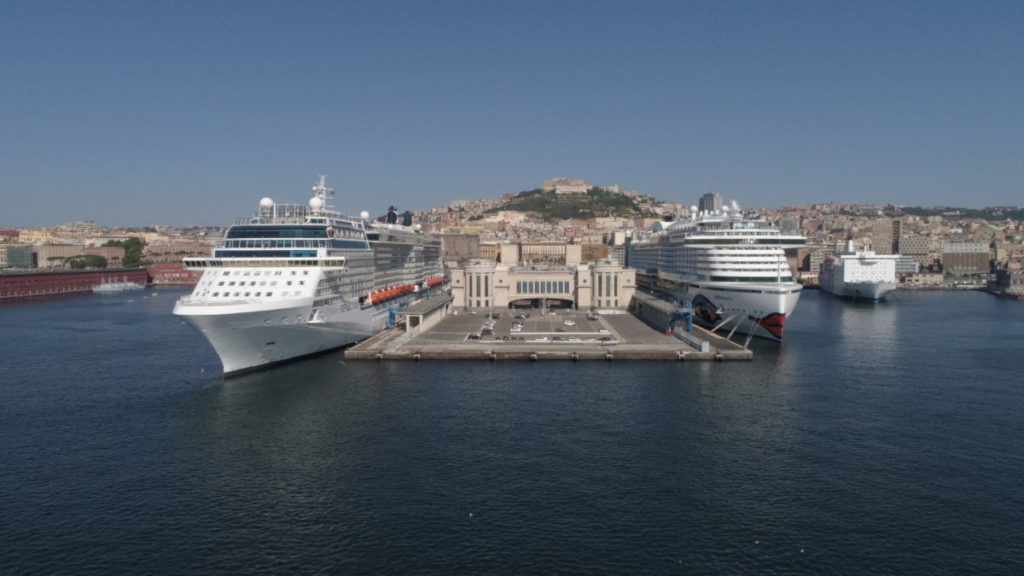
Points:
(28, 284)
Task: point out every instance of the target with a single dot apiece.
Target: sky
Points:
(179, 113)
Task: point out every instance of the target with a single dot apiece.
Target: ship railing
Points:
(292, 214)
(201, 301)
(325, 262)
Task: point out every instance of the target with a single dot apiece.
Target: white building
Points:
(566, 186)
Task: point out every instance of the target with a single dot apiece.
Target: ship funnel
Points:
(849, 246)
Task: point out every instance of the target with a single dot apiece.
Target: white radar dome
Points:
(266, 203)
(364, 215)
(316, 203)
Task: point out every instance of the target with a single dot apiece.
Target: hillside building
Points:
(566, 186)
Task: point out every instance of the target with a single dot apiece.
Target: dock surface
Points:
(545, 335)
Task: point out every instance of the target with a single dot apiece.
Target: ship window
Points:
(227, 272)
(289, 282)
(247, 294)
(231, 283)
(258, 294)
(236, 294)
(221, 283)
(270, 294)
(215, 294)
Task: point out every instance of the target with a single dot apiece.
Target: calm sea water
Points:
(882, 439)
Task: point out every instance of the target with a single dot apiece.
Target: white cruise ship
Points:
(859, 275)
(732, 269)
(296, 280)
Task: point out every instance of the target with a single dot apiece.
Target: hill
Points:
(596, 202)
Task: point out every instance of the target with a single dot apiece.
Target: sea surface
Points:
(879, 439)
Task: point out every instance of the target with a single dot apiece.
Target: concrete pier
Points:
(566, 335)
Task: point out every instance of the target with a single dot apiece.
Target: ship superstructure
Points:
(295, 280)
(861, 275)
(732, 269)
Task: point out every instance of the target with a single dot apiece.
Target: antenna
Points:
(321, 190)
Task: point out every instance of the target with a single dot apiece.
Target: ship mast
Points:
(322, 192)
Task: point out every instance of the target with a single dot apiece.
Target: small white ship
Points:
(860, 275)
(114, 287)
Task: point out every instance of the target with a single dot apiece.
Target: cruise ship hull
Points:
(756, 309)
(261, 336)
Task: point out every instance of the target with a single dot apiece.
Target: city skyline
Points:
(132, 115)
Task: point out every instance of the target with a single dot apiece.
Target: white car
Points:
(569, 322)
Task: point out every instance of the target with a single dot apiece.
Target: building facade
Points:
(566, 186)
(17, 256)
(963, 259)
(710, 202)
(488, 285)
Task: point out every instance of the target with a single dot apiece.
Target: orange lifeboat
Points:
(388, 293)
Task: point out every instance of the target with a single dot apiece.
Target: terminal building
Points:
(515, 283)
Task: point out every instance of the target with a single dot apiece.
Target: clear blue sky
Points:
(140, 113)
